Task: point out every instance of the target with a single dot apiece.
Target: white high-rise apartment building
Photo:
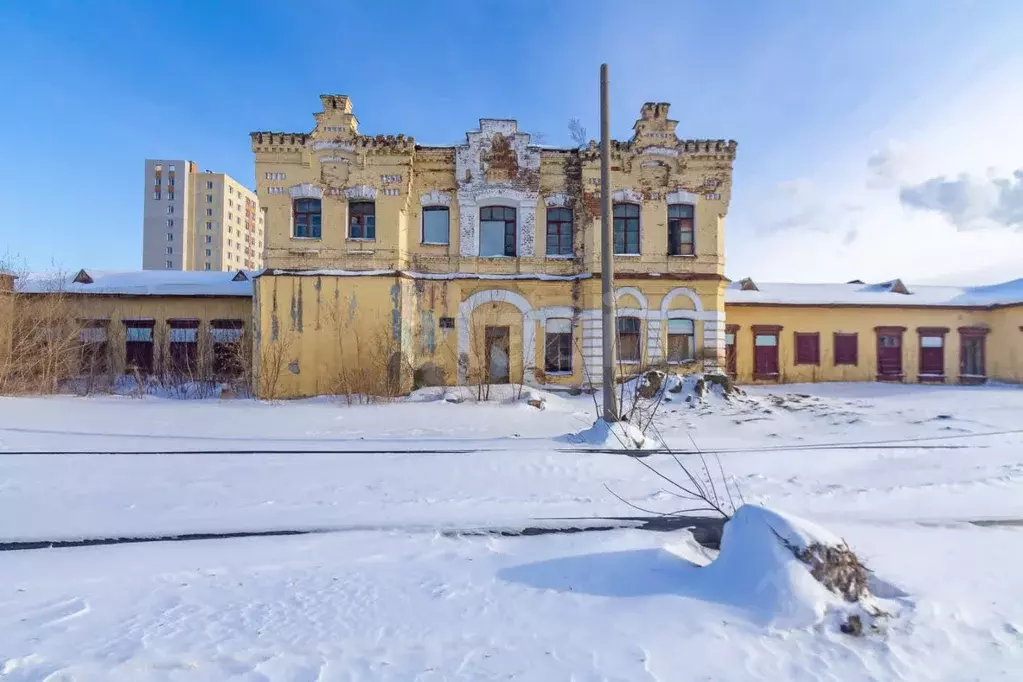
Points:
(198, 220)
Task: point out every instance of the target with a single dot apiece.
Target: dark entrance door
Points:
(765, 355)
(730, 357)
(889, 354)
(138, 346)
(932, 354)
(497, 343)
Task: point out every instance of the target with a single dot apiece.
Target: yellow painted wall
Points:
(1004, 358)
(1005, 344)
(116, 309)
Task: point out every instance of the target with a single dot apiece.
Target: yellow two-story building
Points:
(397, 262)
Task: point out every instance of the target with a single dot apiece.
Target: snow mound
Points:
(794, 573)
(615, 435)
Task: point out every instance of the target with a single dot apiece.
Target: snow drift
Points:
(792, 573)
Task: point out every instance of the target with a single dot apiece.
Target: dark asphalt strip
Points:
(708, 531)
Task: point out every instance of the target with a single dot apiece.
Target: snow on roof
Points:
(892, 293)
(140, 283)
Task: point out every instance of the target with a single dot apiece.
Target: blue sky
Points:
(844, 111)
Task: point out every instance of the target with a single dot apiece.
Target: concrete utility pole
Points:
(607, 295)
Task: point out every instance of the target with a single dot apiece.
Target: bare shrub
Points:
(41, 344)
(273, 358)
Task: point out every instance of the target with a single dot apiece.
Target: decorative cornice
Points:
(305, 191)
(680, 196)
(435, 198)
(558, 199)
(627, 194)
(361, 192)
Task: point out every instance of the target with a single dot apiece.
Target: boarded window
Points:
(626, 228)
(497, 231)
(558, 346)
(680, 230)
(808, 348)
(362, 221)
(435, 225)
(846, 349)
(681, 341)
(629, 349)
(559, 232)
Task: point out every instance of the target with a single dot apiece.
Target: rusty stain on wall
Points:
(296, 308)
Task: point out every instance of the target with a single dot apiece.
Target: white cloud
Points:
(933, 193)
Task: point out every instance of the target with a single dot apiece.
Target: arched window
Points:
(497, 231)
(559, 232)
(308, 217)
(626, 228)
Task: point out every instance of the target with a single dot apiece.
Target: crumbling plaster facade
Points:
(434, 298)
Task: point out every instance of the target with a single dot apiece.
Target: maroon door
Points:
(932, 356)
(730, 358)
(765, 356)
(889, 354)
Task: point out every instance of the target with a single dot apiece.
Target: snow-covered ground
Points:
(387, 596)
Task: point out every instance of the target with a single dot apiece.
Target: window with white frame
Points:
(170, 222)
(170, 236)
(435, 224)
(209, 252)
(497, 231)
(681, 340)
(170, 209)
(209, 239)
(209, 185)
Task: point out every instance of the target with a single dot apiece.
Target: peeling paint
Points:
(395, 311)
(293, 367)
(427, 332)
(352, 307)
(275, 324)
(318, 285)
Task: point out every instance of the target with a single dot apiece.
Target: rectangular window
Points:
(497, 231)
(362, 220)
(183, 345)
(626, 228)
(230, 215)
(558, 346)
(159, 181)
(170, 265)
(138, 346)
(209, 239)
(209, 225)
(209, 212)
(170, 250)
(156, 194)
(209, 198)
(93, 337)
(681, 341)
(207, 266)
(629, 348)
(209, 185)
(435, 225)
(209, 252)
(680, 230)
(226, 336)
(307, 217)
(559, 232)
(170, 209)
(170, 195)
(170, 181)
(808, 348)
(170, 236)
(170, 222)
(846, 349)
